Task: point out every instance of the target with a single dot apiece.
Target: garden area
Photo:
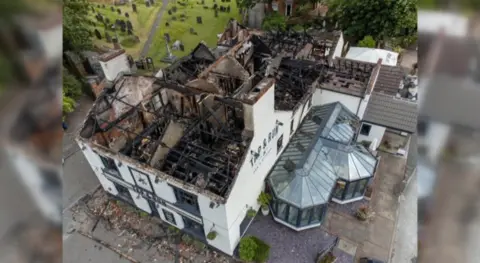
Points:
(130, 22)
(189, 22)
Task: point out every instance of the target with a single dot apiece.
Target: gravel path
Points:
(153, 30)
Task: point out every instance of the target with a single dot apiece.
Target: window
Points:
(109, 166)
(169, 217)
(194, 228)
(422, 127)
(186, 201)
(292, 215)
(123, 192)
(279, 144)
(291, 127)
(365, 129)
(288, 10)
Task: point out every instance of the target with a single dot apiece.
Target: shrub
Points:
(199, 245)
(367, 41)
(328, 258)
(212, 235)
(173, 230)
(264, 199)
(251, 213)
(263, 251)
(248, 248)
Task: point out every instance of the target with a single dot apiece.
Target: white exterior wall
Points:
(339, 47)
(322, 97)
(114, 66)
(435, 139)
(376, 132)
(363, 106)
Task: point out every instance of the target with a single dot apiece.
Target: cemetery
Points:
(124, 22)
(187, 22)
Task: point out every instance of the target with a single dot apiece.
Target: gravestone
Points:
(215, 6)
(93, 9)
(222, 9)
(182, 19)
(97, 34)
(114, 40)
(130, 60)
(129, 25)
(223, 1)
(126, 15)
(134, 7)
(167, 37)
(99, 6)
(112, 8)
(169, 12)
(216, 13)
(137, 39)
(182, 47)
(182, 15)
(192, 31)
(174, 9)
(123, 28)
(103, 6)
(205, 7)
(122, 23)
(199, 19)
(167, 24)
(130, 32)
(176, 45)
(117, 22)
(228, 9)
(108, 37)
(119, 11)
(107, 21)
(174, 18)
(140, 64)
(147, 3)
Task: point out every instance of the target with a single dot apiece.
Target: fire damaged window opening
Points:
(109, 166)
(186, 201)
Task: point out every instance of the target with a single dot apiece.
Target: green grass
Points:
(141, 23)
(207, 31)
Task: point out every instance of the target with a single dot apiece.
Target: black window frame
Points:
(130, 169)
(189, 227)
(181, 201)
(279, 144)
(109, 166)
(367, 132)
(422, 127)
(124, 195)
(348, 185)
(168, 214)
(291, 126)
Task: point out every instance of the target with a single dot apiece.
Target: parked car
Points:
(370, 260)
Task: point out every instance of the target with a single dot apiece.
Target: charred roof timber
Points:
(188, 124)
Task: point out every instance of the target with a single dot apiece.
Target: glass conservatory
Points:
(319, 164)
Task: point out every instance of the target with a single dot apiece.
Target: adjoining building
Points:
(199, 142)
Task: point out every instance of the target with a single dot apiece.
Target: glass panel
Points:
(361, 188)
(282, 210)
(305, 219)
(293, 215)
(316, 215)
(339, 189)
(274, 206)
(350, 190)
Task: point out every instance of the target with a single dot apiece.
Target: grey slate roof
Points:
(319, 153)
(390, 112)
(388, 80)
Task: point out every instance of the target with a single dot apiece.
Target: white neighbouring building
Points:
(197, 146)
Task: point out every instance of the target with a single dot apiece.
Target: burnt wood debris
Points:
(192, 124)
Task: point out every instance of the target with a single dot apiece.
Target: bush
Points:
(254, 249)
(251, 213)
(328, 258)
(367, 41)
(263, 251)
(187, 240)
(264, 199)
(199, 245)
(248, 248)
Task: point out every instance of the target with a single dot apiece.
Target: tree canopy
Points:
(72, 90)
(75, 30)
(367, 41)
(381, 19)
(274, 22)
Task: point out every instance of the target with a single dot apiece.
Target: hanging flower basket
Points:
(212, 235)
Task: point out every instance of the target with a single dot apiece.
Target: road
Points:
(153, 30)
(405, 242)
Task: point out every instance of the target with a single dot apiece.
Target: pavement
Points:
(405, 241)
(153, 30)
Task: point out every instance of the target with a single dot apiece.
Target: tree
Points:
(76, 35)
(274, 22)
(367, 41)
(381, 19)
(72, 90)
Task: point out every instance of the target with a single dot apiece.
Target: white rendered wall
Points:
(322, 97)
(363, 106)
(339, 47)
(114, 66)
(376, 132)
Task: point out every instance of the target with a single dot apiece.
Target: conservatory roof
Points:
(319, 153)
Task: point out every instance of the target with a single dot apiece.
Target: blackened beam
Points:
(122, 117)
(219, 136)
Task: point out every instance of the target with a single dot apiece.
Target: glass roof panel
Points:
(362, 171)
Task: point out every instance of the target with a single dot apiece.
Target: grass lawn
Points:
(178, 30)
(141, 22)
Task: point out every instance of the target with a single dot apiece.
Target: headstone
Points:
(174, 9)
(114, 40)
(182, 47)
(99, 6)
(167, 37)
(167, 24)
(130, 32)
(215, 6)
(182, 19)
(134, 7)
(129, 25)
(205, 7)
(119, 11)
(103, 6)
(147, 3)
(130, 60)
(140, 64)
(126, 15)
(228, 9)
(216, 13)
(123, 28)
(192, 31)
(108, 37)
(112, 8)
(107, 21)
(182, 15)
(174, 18)
(117, 22)
(93, 9)
(137, 39)
(97, 34)
(169, 12)
(199, 19)
(176, 45)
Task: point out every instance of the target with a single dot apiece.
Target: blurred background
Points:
(32, 105)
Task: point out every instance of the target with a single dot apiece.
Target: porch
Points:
(287, 245)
